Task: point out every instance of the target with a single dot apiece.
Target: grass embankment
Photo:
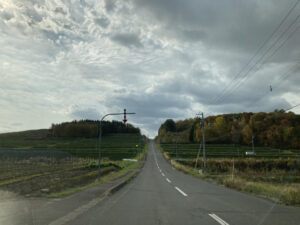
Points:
(277, 179)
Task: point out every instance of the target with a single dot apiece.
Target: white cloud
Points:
(62, 60)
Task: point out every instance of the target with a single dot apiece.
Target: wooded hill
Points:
(90, 128)
(276, 129)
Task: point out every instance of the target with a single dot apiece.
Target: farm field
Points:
(32, 163)
(114, 146)
(189, 151)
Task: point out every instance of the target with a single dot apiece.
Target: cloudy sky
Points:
(65, 60)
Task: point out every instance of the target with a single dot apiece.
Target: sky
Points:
(67, 60)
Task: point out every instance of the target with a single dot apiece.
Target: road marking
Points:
(168, 180)
(159, 170)
(218, 219)
(163, 174)
(181, 192)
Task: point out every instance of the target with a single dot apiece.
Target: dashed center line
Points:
(218, 219)
(212, 215)
(181, 192)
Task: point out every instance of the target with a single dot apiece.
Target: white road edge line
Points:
(168, 180)
(181, 192)
(218, 219)
(163, 174)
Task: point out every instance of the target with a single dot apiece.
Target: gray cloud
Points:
(60, 10)
(6, 15)
(110, 5)
(127, 39)
(103, 22)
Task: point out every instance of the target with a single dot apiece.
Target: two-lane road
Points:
(162, 195)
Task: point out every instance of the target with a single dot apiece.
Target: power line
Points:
(257, 51)
(245, 77)
(292, 107)
(292, 70)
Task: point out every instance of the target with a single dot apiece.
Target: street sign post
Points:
(100, 136)
(124, 120)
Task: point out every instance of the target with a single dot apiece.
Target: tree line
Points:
(90, 128)
(276, 129)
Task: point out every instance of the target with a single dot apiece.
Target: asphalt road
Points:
(158, 195)
(162, 195)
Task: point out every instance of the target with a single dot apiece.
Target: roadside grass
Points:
(71, 191)
(104, 179)
(288, 193)
(281, 184)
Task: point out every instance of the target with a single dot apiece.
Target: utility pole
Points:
(198, 154)
(176, 147)
(203, 139)
(176, 143)
(252, 143)
(232, 175)
(100, 136)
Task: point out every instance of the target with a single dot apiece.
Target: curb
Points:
(123, 183)
(128, 178)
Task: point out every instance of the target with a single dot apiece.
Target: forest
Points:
(90, 128)
(278, 129)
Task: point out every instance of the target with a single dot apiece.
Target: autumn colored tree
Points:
(276, 129)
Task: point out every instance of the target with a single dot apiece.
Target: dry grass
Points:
(285, 193)
(280, 184)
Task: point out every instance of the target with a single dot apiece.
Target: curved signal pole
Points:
(100, 136)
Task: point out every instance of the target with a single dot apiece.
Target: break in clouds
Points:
(65, 60)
